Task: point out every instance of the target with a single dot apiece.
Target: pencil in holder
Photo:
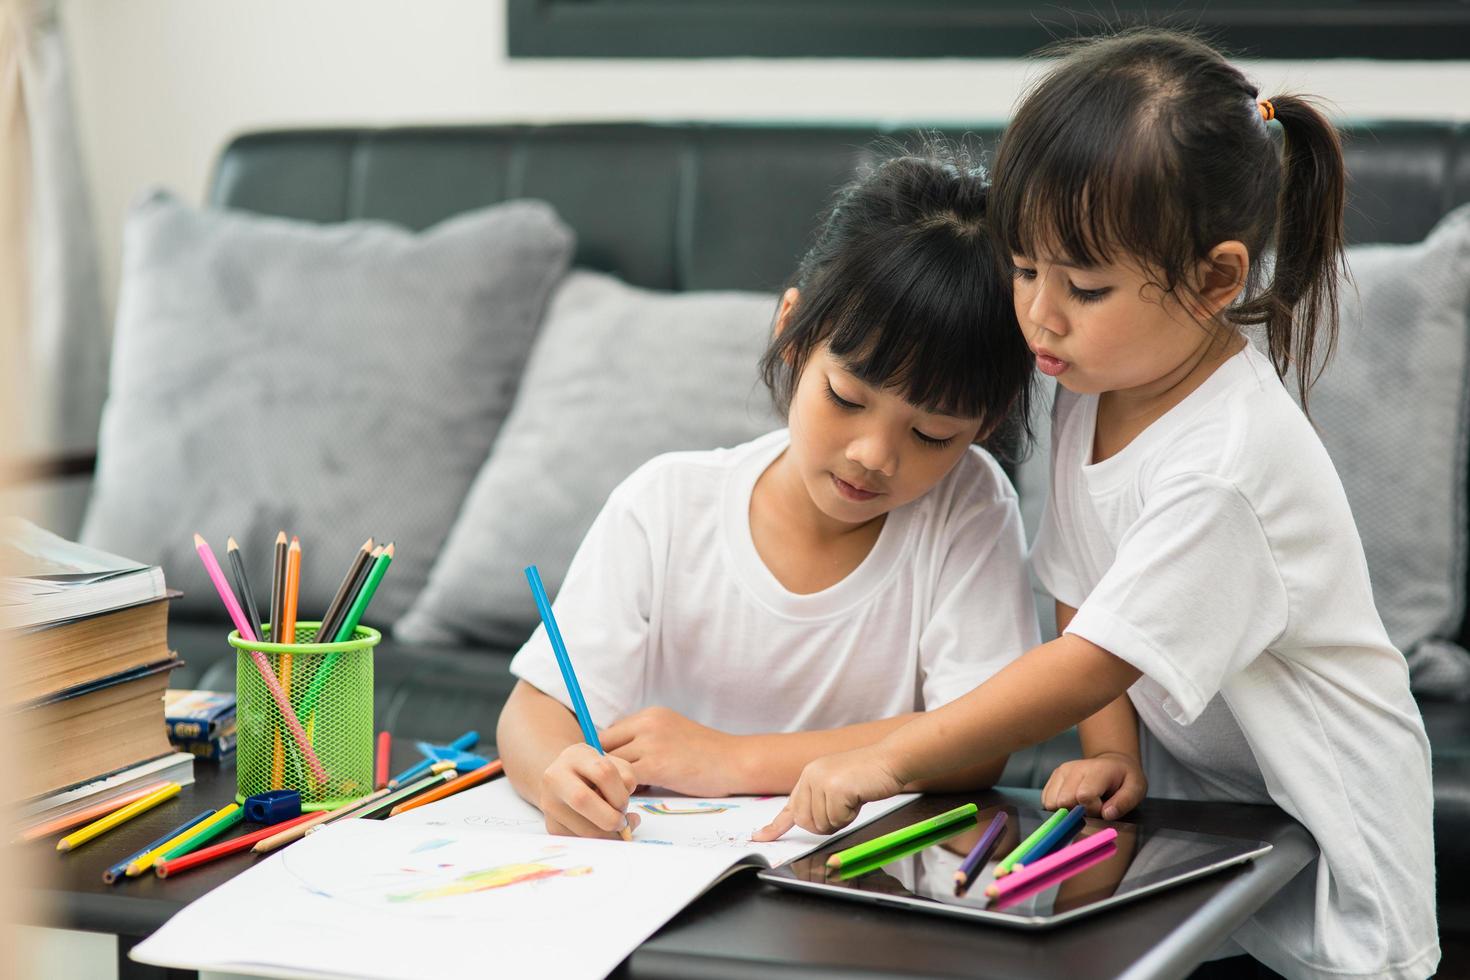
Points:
(329, 688)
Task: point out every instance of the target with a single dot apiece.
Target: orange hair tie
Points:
(1268, 111)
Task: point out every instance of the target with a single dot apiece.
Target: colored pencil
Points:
(871, 863)
(348, 627)
(428, 767)
(328, 632)
(1072, 852)
(56, 825)
(278, 587)
(1011, 859)
(292, 831)
(233, 846)
(141, 864)
(380, 769)
(229, 817)
(98, 827)
(464, 743)
(242, 585)
(353, 809)
(970, 866)
(412, 789)
(346, 592)
(237, 615)
(1055, 877)
(287, 634)
(1055, 838)
(568, 675)
(119, 870)
(469, 780)
(901, 836)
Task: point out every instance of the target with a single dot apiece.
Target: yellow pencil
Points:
(116, 817)
(145, 862)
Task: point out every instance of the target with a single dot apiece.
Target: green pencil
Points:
(856, 869)
(1008, 865)
(205, 835)
(412, 789)
(902, 836)
(348, 627)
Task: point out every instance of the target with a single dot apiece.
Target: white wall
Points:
(162, 84)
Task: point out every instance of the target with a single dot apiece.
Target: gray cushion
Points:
(618, 375)
(335, 381)
(1392, 410)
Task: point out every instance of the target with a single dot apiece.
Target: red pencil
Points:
(385, 747)
(244, 843)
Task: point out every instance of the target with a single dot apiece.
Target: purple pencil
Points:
(970, 866)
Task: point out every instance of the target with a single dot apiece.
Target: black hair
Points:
(906, 287)
(1149, 142)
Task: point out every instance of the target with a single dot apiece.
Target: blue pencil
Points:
(559, 647)
(1059, 835)
(970, 866)
(120, 869)
(564, 661)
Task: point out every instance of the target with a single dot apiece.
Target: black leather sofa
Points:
(687, 207)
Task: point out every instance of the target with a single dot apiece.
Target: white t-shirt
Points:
(1217, 554)
(668, 603)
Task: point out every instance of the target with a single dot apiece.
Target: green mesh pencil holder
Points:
(323, 746)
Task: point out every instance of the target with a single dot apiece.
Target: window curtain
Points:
(65, 343)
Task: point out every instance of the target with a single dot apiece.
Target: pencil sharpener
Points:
(273, 806)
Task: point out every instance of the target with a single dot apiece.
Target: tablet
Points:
(1138, 862)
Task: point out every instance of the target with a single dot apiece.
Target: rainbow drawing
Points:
(666, 808)
(501, 876)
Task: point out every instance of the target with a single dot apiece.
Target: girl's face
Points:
(862, 451)
(1111, 328)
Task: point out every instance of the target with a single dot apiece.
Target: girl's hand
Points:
(830, 792)
(584, 794)
(1109, 785)
(669, 750)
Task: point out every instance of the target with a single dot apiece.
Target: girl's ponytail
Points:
(1299, 308)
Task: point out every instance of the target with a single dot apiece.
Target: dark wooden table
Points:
(746, 928)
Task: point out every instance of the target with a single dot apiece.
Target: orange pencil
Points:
(468, 781)
(287, 634)
(57, 824)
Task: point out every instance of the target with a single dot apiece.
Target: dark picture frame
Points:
(1294, 29)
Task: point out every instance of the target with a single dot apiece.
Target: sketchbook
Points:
(470, 883)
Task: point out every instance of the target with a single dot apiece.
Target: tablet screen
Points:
(1140, 860)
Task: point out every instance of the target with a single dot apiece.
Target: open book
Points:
(469, 885)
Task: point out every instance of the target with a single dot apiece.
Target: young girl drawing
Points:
(1198, 543)
(734, 614)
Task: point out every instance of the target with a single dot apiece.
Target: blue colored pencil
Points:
(120, 869)
(1058, 836)
(559, 647)
(970, 866)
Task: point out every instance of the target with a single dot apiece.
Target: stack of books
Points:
(84, 642)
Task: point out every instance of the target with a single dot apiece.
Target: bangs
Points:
(1087, 175)
(913, 316)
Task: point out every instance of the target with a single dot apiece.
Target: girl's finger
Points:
(1128, 796)
(616, 736)
(777, 827)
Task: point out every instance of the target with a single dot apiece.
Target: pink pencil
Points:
(1072, 852)
(232, 605)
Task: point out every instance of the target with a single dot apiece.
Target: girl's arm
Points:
(1050, 688)
(1111, 769)
(668, 749)
(579, 792)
